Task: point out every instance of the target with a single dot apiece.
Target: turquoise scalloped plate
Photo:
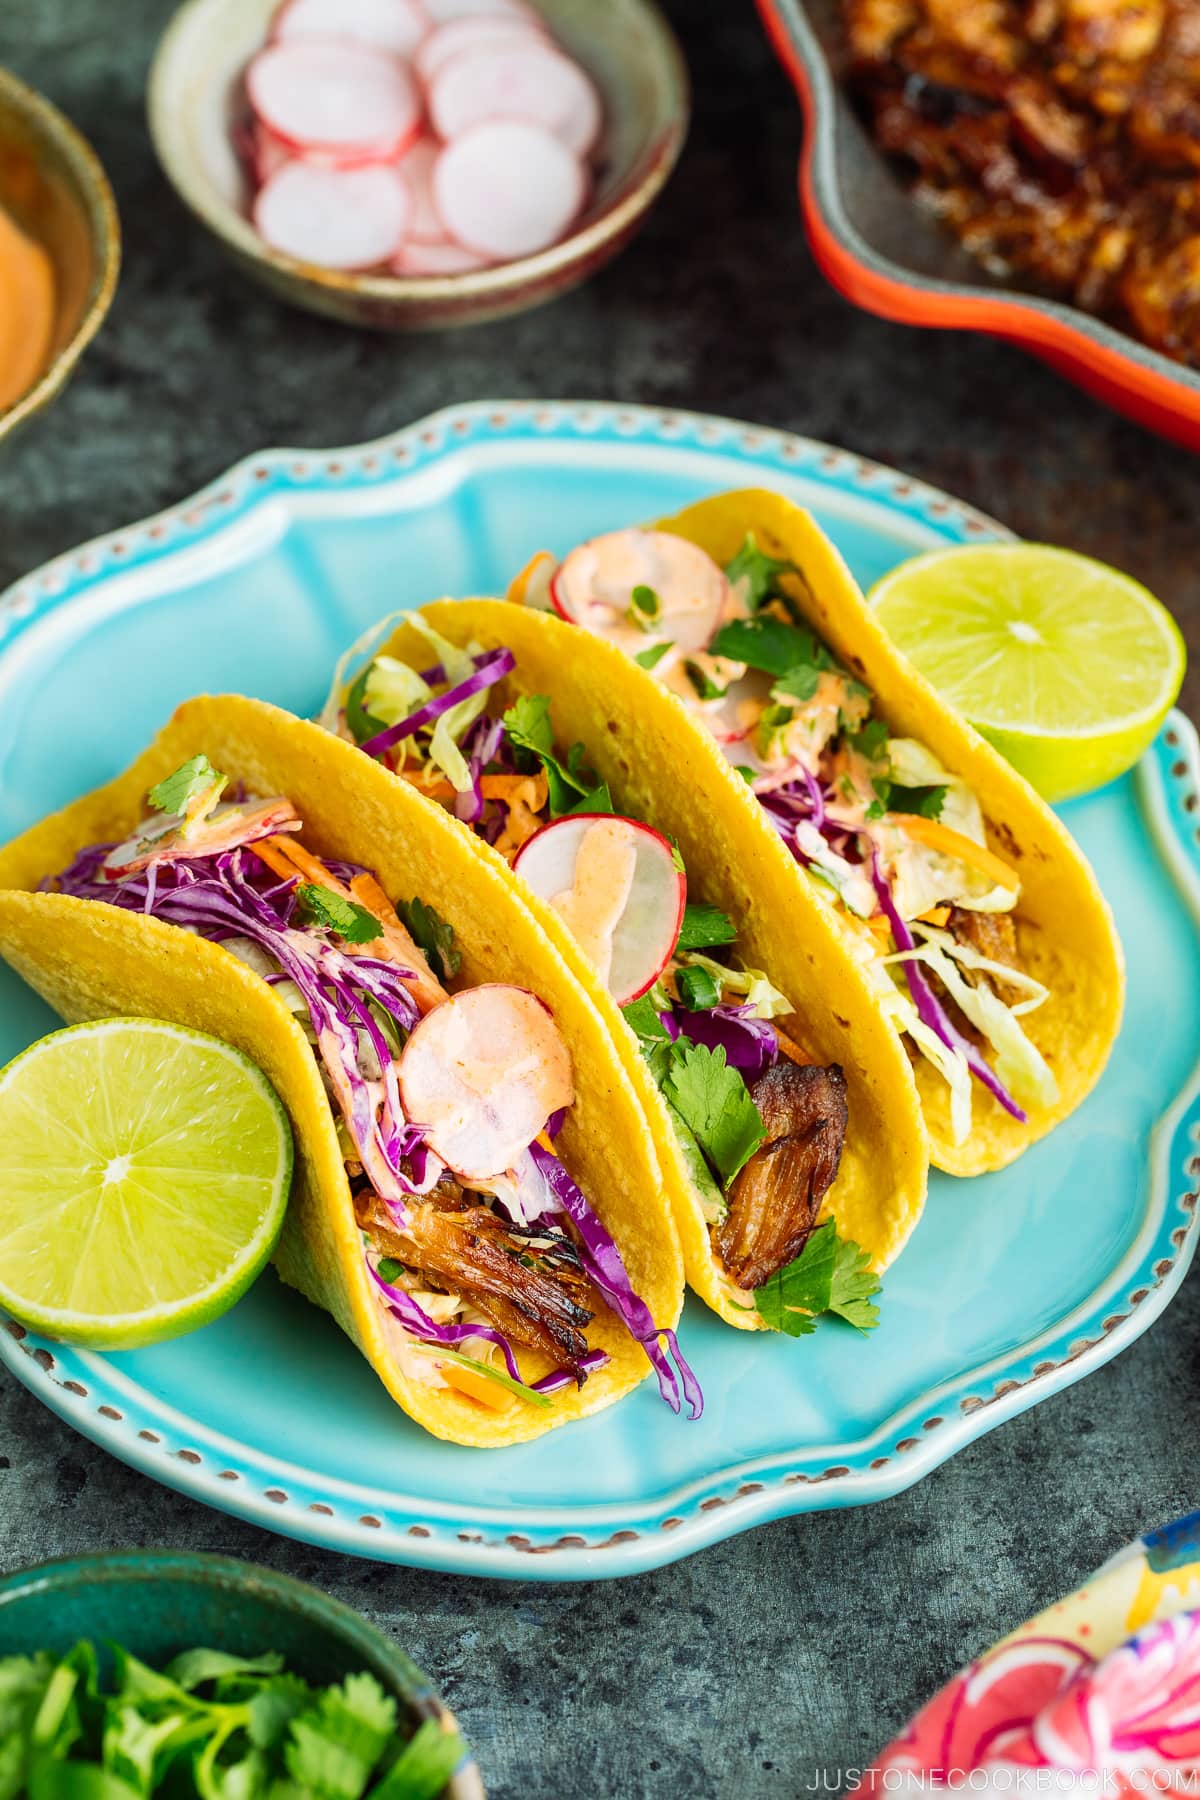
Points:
(1014, 1285)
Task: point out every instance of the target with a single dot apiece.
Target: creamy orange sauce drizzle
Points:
(27, 303)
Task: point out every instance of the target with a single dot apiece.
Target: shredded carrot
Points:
(937, 915)
(368, 893)
(878, 926)
(268, 851)
(437, 790)
(475, 1386)
(937, 836)
(518, 587)
(790, 1048)
(308, 865)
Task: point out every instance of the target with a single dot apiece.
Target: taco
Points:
(477, 1199)
(969, 907)
(783, 1109)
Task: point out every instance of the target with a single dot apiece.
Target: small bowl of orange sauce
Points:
(60, 250)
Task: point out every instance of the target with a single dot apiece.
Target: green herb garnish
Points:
(645, 607)
(433, 935)
(715, 1105)
(927, 802)
(652, 656)
(698, 990)
(704, 927)
(346, 918)
(830, 1275)
(759, 571)
(211, 1725)
(193, 780)
(771, 644)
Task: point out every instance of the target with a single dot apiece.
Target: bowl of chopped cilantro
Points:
(141, 1673)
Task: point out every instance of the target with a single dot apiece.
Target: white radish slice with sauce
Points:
(508, 189)
(415, 258)
(339, 218)
(482, 32)
(270, 152)
(617, 888)
(481, 1074)
(520, 80)
(594, 588)
(395, 25)
(336, 99)
(416, 166)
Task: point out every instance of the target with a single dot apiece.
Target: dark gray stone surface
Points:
(801, 1647)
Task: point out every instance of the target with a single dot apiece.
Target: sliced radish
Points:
(270, 153)
(508, 189)
(416, 166)
(481, 1074)
(339, 218)
(519, 80)
(618, 888)
(441, 10)
(396, 25)
(414, 258)
(338, 99)
(594, 588)
(479, 32)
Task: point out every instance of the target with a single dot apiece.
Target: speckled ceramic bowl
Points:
(52, 183)
(159, 1602)
(627, 47)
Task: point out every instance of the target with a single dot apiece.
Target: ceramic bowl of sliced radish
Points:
(409, 163)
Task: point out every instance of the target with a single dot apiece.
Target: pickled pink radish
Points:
(441, 10)
(340, 218)
(594, 588)
(416, 258)
(482, 1074)
(416, 166)
(530, 80)
(339, 99)
(395, 25)
(481, 32)
(618, 889)
(508, 189)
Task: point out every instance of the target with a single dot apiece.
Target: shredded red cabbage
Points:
(489, 669)
(602, 1263)
(479, 746)
(928, 1005)
(415, 1319)
(750, 1044)
(561, 1378)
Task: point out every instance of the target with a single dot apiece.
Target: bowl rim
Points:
(105, 233)
(1111, 363)
(496, 282)
(107, 1568)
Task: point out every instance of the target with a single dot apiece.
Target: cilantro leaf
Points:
(792, 1299)
(193, 780)
(872, 740)
(715, 1105)
(697, 989)
(194, 1667)
(651, 657)
(346, 918)
(927, 802)
(433, 935)
(598, 801)
(830, 1275)
(363, 724)
(853, 1285)
(759, 571)
(704, 927)
(747, 774)
(424, 1766)
(799, 683)
(527, 723)
(642, 1017)
(770, 644)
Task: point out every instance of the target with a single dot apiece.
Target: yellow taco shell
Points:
(631, 731)
(89, 960)
(1065, 930)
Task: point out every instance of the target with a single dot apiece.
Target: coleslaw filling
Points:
(534, 1259)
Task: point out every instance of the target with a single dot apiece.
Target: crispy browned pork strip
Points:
(995, 936)
(527, 1283)
(774, 1202)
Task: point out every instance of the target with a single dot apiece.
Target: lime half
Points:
(1067, 666)
(144, 1174)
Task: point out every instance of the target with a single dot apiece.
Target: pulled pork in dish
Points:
(1059, 140)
